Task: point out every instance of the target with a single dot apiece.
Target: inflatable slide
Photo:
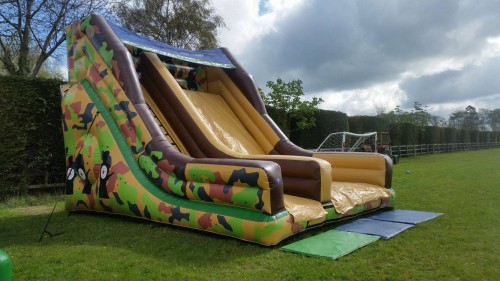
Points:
(182, 137)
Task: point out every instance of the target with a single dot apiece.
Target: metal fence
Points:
(422, 149)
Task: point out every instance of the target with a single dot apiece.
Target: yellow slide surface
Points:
(232, 125)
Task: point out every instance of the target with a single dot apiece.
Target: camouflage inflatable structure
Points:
(182, 137)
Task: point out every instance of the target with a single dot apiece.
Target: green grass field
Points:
(463, 244)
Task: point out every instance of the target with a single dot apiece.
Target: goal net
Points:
(349, 142)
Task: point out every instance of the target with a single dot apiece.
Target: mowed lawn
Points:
(463, 244)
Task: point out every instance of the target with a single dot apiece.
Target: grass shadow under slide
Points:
(90, 229)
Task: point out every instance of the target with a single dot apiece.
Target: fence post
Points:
(414, 149)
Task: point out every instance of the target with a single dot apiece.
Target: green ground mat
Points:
(331, 244)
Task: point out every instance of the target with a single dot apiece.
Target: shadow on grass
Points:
(111, 230)
(90, 230)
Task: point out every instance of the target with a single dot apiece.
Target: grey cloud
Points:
(473, 81)
(340, 45)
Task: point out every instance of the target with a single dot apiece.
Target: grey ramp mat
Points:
(405, 216)
(384, 229)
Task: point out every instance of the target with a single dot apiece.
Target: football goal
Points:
(349, 142)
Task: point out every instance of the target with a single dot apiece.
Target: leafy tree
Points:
(465, 119)
(456, 119)
(471, 118)
(420, 115)
(437, 121)
(285, 97)
(494, 119)
(32, 30)
(380, 109)
(417, 116)
(389, 117)
(189, 24)
(484, 119)
(402, 116)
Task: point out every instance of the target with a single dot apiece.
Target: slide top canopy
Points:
(215, 57)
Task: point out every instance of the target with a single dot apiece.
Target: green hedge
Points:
(495, 136)
(485, 136)
(450, 135)
(463, 135)
(327, 122)
(430, 135)
(365, 124)
(474, 136)
(30, 134)
(403, 134)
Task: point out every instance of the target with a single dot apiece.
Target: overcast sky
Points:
(360, 55)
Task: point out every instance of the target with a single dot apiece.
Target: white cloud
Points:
(473, 81)
(246, 23)
(363, 101)
(358, 55)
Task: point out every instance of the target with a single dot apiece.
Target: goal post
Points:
(349, 142)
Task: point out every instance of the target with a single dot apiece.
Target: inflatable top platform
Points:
(182, 137)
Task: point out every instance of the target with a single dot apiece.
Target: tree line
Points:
(468, 118)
